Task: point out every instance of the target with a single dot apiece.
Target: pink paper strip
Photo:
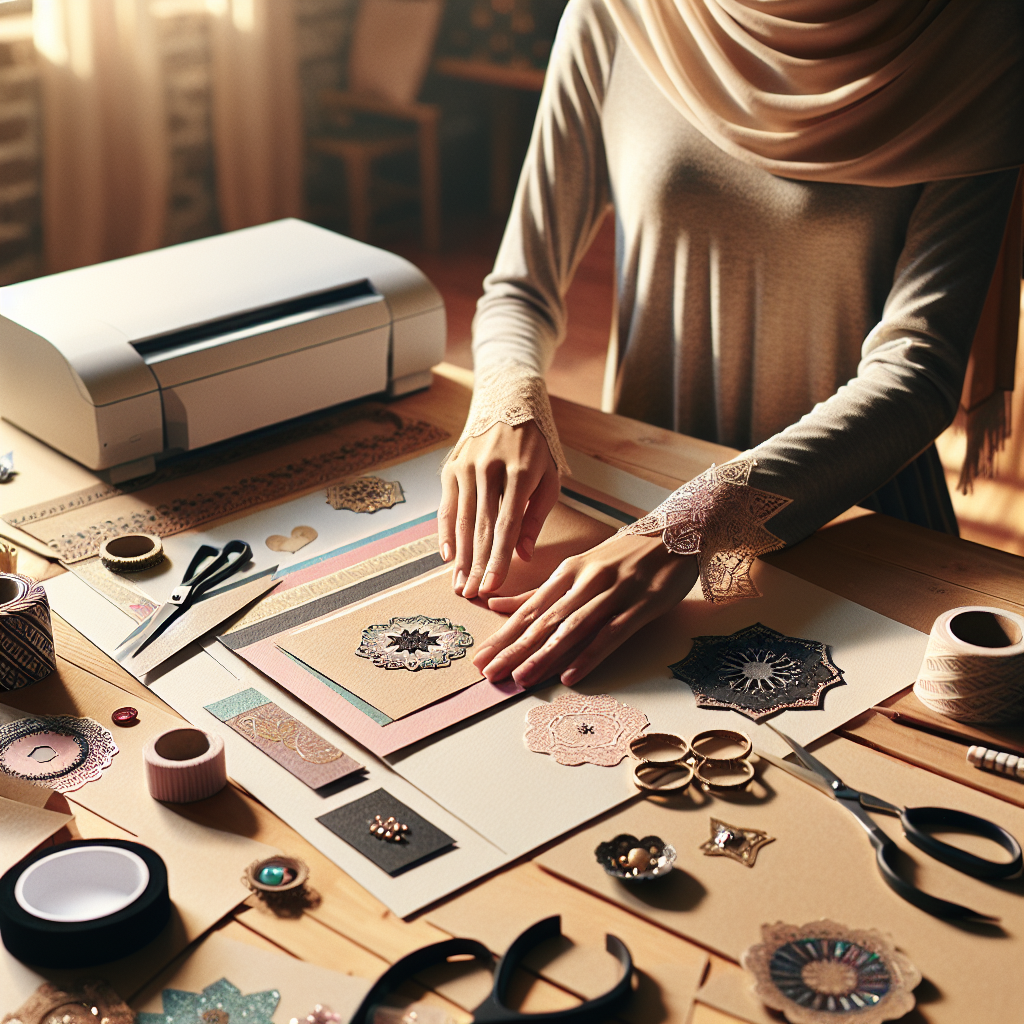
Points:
(379, 739)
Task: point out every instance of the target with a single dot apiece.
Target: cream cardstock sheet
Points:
(252, 969)
(329, 646)
(823, 865)
(23, 827)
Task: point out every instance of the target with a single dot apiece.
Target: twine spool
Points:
(183, 765)
(134, 552)
(26, 637)
(973, 669)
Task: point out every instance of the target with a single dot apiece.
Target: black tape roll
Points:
(43, 943)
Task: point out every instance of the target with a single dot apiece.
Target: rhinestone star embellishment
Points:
(740, 844)
(413, 643)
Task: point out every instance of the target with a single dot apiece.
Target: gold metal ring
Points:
(133, 552)
(721, 745)
(663, 776)
(724, 775)
(660, 748)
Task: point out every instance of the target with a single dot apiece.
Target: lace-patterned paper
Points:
(57, 751)
(758, 671)
(718, 517)
(512, 394)
(578, 728)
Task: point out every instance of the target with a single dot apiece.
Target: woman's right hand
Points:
(495, 498)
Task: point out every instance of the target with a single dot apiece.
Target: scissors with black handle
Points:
(916, 822)
(493, 1009)
(209, 566)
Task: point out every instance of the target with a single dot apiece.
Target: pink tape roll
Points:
(185, 764)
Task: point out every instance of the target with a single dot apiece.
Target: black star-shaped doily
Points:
(758, 671)
(413, 640)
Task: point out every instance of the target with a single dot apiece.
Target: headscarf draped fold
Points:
(863, 92)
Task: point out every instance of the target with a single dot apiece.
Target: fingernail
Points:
(495, 670)
(483, 657)
(446, 552)
(527, 547)
(524, 675)
(569, 676)
(460, 581)
(490, 581)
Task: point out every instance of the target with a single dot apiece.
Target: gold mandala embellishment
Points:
(580, 729)
(719, 518)
(367, 494)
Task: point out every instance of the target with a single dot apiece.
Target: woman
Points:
(810, 199)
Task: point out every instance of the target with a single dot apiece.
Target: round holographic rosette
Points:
(823, 973)
(414, 642)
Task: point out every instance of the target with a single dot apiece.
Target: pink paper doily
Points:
(580, 729)
(60, 752)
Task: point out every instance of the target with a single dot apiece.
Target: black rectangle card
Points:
(352, 823)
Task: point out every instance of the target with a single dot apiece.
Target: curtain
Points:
(257, 120)
(105, 161)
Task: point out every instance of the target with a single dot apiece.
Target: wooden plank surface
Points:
(880, 563)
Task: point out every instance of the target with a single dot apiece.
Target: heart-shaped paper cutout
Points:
(301, 536)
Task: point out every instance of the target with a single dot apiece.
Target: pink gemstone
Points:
(124, 716)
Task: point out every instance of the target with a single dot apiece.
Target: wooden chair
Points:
(378, 116)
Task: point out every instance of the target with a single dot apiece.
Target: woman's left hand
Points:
(590, 604)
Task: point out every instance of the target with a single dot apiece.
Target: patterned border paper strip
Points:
(75, 526)
(294, 746)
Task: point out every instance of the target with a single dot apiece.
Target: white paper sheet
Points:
(335, 528)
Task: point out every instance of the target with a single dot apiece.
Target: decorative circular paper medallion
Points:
(824, 972)
(56, 751)
(414, 643)
(758, 671)
(581, 729)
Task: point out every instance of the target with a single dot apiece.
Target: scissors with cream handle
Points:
(916, 822)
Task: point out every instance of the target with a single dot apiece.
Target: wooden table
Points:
(905, 572)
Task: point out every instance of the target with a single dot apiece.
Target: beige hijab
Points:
(865, 92)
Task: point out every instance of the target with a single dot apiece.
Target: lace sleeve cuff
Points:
(719, 518)
(513, 394)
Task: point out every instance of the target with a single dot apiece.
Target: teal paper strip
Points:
(237, 704)
(367, 709)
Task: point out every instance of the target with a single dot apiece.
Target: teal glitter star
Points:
(219, 1003)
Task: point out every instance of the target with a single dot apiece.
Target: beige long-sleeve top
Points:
(824, 326)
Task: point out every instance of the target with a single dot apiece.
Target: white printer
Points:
(119, 363)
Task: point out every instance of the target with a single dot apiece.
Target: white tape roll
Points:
(973, 668)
